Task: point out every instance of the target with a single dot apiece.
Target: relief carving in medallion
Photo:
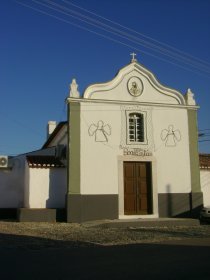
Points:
(135, 86)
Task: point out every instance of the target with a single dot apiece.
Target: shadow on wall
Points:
(57, 191)
(169, 201)
(12, 185)
(186, 205)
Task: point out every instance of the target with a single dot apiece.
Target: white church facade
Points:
(132, 149)
(132, 152)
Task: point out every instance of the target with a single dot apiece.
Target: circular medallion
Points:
(135, 86)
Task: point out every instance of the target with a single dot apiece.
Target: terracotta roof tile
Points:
(44, 162)
(204, 161)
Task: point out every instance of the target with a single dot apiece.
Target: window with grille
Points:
(136, 128)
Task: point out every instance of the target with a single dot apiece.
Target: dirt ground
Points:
(82, 251)
(88, 233)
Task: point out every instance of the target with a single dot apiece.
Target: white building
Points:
(132, 153)
(33, 185)
(205, 178)
(132, 149)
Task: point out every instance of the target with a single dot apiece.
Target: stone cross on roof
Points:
(133, 57)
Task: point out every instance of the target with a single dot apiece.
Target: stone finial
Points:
(189, 97)
(73, 89)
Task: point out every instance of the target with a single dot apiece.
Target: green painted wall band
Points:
(193, 148)
(74, 148)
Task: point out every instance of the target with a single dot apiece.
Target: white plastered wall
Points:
(205, 186)
(99, 165)
(102, 162)
(12, 184)
(46, 188)
(173, 160)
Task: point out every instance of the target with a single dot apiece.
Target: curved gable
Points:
(134, 83)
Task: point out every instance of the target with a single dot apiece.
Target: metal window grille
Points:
(136, 127)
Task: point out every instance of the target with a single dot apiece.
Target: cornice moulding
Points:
(117, 102)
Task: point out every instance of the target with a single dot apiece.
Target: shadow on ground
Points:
(23, 257)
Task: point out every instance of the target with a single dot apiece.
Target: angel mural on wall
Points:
(100, 130)
(170, 136)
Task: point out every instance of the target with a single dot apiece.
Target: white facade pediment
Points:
(134, 83)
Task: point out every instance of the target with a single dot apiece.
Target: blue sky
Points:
(41, 51)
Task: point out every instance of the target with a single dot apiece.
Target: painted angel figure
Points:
(100, 130)
(170, 136)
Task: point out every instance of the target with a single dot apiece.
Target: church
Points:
(128, 150)
(132, 149)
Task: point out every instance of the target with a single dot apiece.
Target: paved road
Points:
(172, 260)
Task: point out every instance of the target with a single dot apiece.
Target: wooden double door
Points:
(137, 188)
